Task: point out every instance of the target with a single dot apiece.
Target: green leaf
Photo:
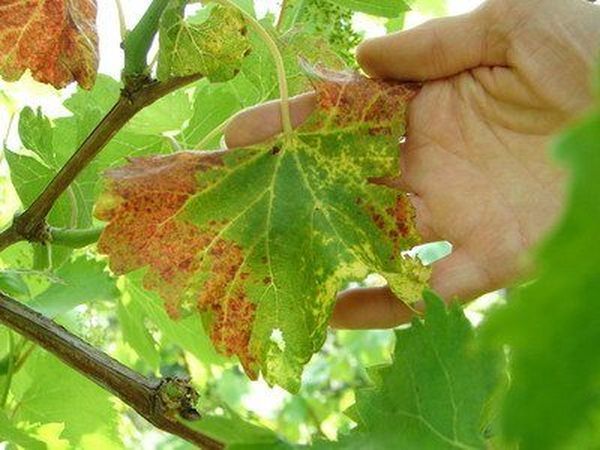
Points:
(187, 333)
(13, 435)
(47, 391)
(434, 395)
(53, 146)
(261, 239)
(13, 285)
(434, 8)
(35, 131)
(236, 433)
(131, 318)
(83, 280)
(383, 8)
(553, 325)
(256, 83)
(168, 114)
(214, 48)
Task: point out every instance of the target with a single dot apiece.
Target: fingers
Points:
(436, 49)
(368, 308)
(258, 124)
(458, 276)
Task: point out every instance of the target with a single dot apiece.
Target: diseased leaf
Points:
(214, 48)
(186, 333)
(261, 239)
(434, 395)
(55, 39)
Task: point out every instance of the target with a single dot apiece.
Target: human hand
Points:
(500, 82)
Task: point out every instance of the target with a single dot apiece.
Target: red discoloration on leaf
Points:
(351, 99)
(225, 297)
(214, 234)
(397, 223)
(144, 230)
(55, 39)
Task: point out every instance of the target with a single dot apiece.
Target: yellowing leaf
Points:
(261, 239)
(55, 39)
(214, 48)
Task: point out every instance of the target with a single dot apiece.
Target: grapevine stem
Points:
(138, 41)
(160, 401)
(286, 120)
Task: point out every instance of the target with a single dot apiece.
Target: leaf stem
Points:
(160, 401)
(213, 134)
(121, 17)
(9, 373)
(284, 22)
(8, 128)
(286, 120)
(75, 238)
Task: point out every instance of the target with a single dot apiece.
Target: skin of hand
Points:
(499, 83)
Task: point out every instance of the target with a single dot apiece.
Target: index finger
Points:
(260, 123)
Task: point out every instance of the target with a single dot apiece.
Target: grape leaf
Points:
(55, 39)
(261, 239)
(385, 8)
(53, 143)
(214, 48)
(434, 395)
(256, 82)
(64, 397)
(13, 435)
(553, 325)
(235, 432)
(82, 280)
(186, 333)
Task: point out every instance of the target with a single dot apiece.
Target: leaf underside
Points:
(261, 239)
(55, 39)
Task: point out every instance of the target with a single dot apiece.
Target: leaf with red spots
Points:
(55, 39)
(260, 239)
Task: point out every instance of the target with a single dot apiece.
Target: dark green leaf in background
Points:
(434, 396)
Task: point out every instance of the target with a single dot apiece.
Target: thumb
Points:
(436, 49)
